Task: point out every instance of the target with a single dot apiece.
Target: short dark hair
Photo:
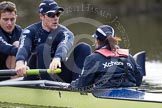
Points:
(7, 6)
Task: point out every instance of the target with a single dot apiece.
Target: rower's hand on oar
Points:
(21, 68)
(56, 63)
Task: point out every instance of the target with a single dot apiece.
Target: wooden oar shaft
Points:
(29, 72)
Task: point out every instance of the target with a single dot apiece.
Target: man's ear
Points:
(41, 16)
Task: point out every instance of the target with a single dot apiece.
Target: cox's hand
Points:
(56, 63)
(21, 68)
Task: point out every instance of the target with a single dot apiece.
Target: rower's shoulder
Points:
(32, 28)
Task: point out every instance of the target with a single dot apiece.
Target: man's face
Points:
(8, 21)
(49, 22)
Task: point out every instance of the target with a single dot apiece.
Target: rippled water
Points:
(153, 78)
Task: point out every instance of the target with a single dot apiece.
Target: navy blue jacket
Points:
(60, 40)
(105, 69)
(6, 41)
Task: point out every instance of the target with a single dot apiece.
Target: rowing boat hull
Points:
(59, 98)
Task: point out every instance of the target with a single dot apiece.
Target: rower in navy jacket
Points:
(51, 42)
(9, 35)
(108, 66)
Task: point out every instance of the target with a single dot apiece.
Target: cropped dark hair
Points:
(7, 6)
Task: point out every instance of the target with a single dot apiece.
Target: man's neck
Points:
(46, 28)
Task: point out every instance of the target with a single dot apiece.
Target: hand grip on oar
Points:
(39, 71)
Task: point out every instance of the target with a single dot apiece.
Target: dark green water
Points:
(138, 23)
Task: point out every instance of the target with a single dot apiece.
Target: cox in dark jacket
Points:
(108, 66)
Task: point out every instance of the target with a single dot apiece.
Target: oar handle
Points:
(12, 72)
(41, 71)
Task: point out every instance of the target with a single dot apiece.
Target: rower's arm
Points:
(7, 48)
(66, 43)
(25, 45)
